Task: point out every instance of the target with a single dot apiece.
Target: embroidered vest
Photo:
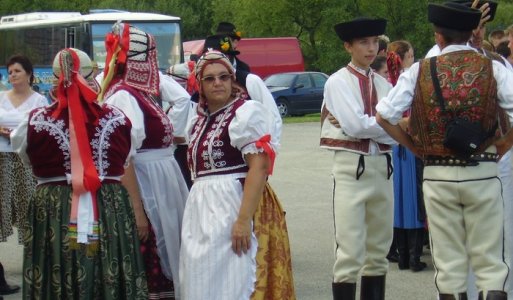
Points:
(110, 142)
(335, 138)
(157, 126)
(210, 151)
(469, 90)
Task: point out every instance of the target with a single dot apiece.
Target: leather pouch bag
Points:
(464, 137)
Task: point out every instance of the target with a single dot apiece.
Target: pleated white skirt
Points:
(209, 269)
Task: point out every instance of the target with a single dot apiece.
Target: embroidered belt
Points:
(473, 160)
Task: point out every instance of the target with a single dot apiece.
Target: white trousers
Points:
(363, 215)
(464, 209)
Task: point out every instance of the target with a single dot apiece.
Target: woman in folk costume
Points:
(234, 239)
(409, 211)
(81, 238)
(131, 83)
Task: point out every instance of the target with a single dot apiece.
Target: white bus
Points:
(40, 35)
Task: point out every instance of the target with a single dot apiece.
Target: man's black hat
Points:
(492, 4)
(452, 15)
(220, 43)
(360, 28)
(227, 28)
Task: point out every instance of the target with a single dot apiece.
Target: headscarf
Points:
(131, 58)
(211, 57)
(78, 98)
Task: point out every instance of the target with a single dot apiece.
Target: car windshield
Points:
(279, 80)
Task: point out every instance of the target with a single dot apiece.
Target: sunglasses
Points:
(211, 79)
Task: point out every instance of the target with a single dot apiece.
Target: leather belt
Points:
(473, 160)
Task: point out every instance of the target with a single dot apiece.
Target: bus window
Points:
(167, 37)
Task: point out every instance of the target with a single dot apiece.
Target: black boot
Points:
(494, 295)
(461, 296)
(6, 289)
(373, 288)
(343, 290)
(415, 243)
(392, 255)
(401, 238)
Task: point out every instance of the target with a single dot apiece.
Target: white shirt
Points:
(11, 116)
(399, 99)
(173, 93)
(258, 91)
(343, 100)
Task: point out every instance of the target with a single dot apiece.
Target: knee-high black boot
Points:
(401, 238)
(493, 295)
(6, 289)
(343, 290)
(373, 288)
(415, 243)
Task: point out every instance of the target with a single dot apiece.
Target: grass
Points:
(302, 119)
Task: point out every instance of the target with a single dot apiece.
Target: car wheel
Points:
(283, 107)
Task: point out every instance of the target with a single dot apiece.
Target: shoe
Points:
(343, 290)
(393, 257)
(417, 266)
(6, 289)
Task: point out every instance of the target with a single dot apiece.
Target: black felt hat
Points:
(220, 43)
(452, 15)
(359, 28)
(492, 4)
(227, 28)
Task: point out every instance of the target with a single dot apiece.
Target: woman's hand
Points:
(241, 236)
(141, 221)
(5, 132)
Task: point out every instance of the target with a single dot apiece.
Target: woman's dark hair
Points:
(503, 49)
(25, 64)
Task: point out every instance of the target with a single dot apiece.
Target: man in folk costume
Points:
(81, 220)
(462, 190)
(228, 29)
(131, 83)
(362, 168)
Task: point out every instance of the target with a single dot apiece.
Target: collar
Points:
(366, 73)
(454, 48)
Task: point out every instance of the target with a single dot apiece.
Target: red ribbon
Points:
(264, 143)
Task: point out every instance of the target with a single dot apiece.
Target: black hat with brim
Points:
(492, 4)
(216, 42)
(454, 16)
(227, 28)
(360, 28)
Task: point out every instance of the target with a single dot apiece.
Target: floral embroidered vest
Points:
(109, 140)
(157, 126)
(469, 90)
(210, 151)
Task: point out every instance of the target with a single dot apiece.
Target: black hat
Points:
(220, 43)
(227, 28)
(359, 28)
(493, 6)
(453, 15)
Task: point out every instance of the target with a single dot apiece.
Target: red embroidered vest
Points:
(370, 100)
(157, 126)
(48, 142)
(469, 90)
(210, 151)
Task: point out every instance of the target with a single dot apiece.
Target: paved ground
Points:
(303, 183)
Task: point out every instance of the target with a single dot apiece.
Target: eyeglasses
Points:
(211, 79)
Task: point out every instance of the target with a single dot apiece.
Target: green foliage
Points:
(311, 21)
